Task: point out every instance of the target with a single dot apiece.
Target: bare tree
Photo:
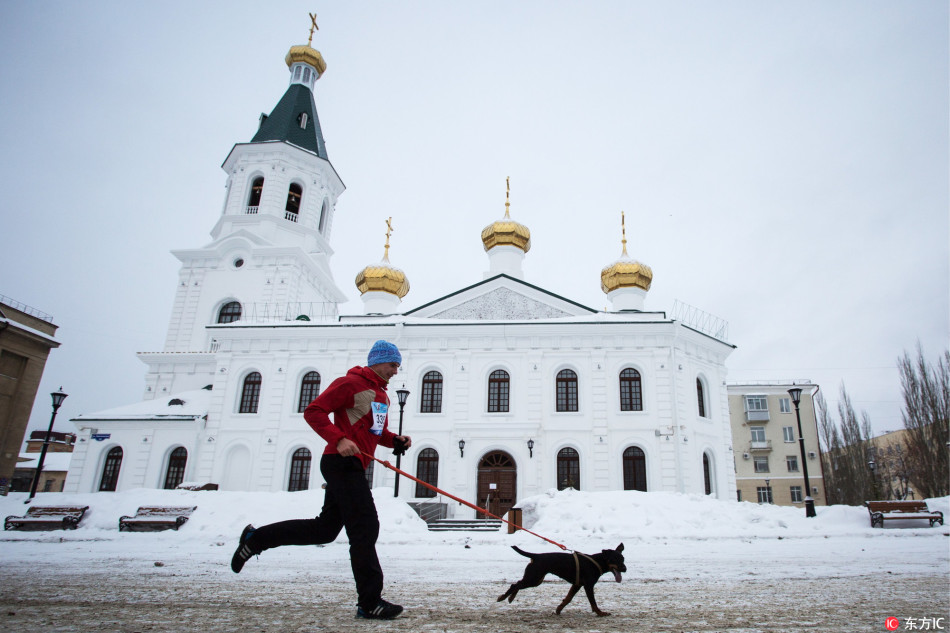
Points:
(926, 417)
(847, 447)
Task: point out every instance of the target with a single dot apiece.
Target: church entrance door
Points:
(497, 483)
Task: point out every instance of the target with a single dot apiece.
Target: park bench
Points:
(881, 511)
(156, 518)
(47, 518)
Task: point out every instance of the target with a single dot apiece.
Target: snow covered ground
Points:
(694, 564)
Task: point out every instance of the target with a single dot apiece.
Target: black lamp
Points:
(403, 395)
(58, 397)
(461, 448)
(530, 448)
(796, 394)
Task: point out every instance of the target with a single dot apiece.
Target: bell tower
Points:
(269, 255)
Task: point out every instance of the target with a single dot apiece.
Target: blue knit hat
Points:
(383, 352)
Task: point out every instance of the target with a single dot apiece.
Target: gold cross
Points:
(507, 193)
(313, 27)
(389, 230)
(623, 230)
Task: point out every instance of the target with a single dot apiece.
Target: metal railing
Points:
(703, 321)
(306, 311)
(25, 309)
(430, 511)
(251, 210)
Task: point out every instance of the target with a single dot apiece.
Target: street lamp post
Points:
(768, 491)
(58, 397)
(796, 394)
(872, 466)
(403, 395)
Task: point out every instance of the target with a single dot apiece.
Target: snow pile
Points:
(567, 516)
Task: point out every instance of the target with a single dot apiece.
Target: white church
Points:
(514, 390)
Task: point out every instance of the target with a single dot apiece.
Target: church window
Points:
(707, 474)
(299, 470)
(297, 72)
(176, 468)
(293, 202)
(254, 200)
(110, 471)
(306, 75)
(302, 120)
(229, 312)
(431, 392)
(568, 469)
(498, 390)
(324, 212)
(427, 470)
(309, 390)
(631, 392)
(634, 469)
(701, 398)
(250, 393)
(566, 384)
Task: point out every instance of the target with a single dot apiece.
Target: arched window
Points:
(176, 468)
(634, 469)
(299, 470)
(701, 399)
(432, 392)
(250, 393)
(631, 393)
(110, 471)
(568, 469)
(309, 390)
(707, 476)
(229, 312)
(254, 200)
(324, 212)
(566, 384)
(293, 202)
(427, 469)
(498, 389)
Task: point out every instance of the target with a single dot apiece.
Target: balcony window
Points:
(756, 408)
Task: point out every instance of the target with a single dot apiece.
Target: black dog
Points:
(578, 569)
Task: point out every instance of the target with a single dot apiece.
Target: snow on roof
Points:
(183, 405)
(54, 461)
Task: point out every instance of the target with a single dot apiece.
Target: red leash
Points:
(462, 501)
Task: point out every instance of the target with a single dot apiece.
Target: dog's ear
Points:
(620, 547)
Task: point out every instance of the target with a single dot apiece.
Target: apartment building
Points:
(770, 467)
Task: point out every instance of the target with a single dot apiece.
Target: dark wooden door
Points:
(497, 483)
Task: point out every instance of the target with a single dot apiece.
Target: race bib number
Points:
(380, 409)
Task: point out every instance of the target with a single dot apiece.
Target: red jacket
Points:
(358, 402)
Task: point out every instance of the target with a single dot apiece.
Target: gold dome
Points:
(307, 55)
(625, 272)
(383, 277)
(506, 232)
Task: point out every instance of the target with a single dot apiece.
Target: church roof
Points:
(283, 123)
(501, 297)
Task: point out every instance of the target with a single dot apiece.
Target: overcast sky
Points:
(783, 165)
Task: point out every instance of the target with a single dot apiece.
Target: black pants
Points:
(348, 503)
